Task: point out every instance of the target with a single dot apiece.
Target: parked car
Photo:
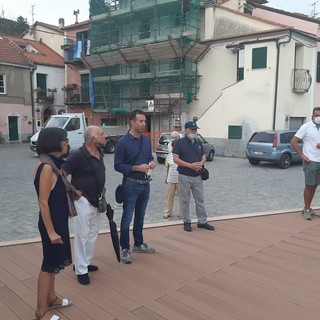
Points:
(272, 146)
(165, 139)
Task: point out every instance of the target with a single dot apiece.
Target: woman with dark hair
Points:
(55, 204)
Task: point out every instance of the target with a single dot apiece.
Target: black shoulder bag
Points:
(204, 171)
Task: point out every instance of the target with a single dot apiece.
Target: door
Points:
(75, 131)
(13, 129)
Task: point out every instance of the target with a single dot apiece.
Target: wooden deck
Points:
(258, 268)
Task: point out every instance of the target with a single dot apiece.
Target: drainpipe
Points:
(32, 98)
(277, 79)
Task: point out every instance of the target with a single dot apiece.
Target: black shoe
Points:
(187, 226)
(92, 268)
(206, 226)
(83, 279)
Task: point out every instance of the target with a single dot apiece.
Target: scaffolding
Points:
(144, 50)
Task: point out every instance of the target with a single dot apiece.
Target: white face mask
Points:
(192, 135)
(317, 120)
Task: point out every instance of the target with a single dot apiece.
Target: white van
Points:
(73, 123)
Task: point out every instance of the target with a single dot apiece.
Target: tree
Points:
(13, 28)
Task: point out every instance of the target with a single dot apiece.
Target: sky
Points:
(50, 11)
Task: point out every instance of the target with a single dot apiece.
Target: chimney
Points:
(61, 23)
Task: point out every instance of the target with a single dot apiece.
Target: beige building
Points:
(256, 76)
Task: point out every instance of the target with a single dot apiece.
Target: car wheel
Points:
(254, 162)
(110, 147)
(210, 155)
(161, 160)
(285, 161)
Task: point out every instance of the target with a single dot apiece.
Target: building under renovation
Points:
(145, 54)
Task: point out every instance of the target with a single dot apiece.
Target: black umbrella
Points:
(113, 231)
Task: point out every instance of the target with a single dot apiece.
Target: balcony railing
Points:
(301, 80)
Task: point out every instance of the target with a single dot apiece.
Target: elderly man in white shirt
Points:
(172, 179)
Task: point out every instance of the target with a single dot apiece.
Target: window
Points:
(85, 89)
(259, 58)
(73, 124)
(286, 137)
(144, 66)
(240, 70)
(82, 36)
(41, 85)
(235, 132)
(144, 30)
(2, 84)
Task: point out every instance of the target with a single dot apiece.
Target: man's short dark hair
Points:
(315, 109)
(49, 140)
(134, 113)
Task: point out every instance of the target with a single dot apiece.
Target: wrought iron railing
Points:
(301, 80)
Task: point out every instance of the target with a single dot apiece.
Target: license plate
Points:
(258, 153)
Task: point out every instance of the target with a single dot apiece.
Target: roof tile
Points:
(12, 51)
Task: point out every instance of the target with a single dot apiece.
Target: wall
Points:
(311, 27)
(250, 102)
(16, 101)
(52, 39)
(55, 79)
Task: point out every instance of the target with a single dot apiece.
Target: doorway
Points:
(13, 128)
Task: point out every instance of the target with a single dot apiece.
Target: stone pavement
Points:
(234, 187)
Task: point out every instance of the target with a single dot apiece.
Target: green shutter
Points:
(235, 132)
(259, 58)
(85, 91)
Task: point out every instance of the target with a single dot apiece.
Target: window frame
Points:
(3, 88)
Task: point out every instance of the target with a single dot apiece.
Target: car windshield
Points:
(263, 137)
(56, 122)
(165, 138)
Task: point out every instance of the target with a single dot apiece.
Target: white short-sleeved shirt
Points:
(310, 134)
(173, 174)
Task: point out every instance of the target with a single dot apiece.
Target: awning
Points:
(119, 111)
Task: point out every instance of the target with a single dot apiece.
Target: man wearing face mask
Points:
(189, 155)
(87, 170)
(309, 133)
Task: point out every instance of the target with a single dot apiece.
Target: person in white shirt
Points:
(309, 133)
(172, 179)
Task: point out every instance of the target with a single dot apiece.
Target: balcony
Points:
(301, 80)
(73, 94)
(45, 96)
(73, 50)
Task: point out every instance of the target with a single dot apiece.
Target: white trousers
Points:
(86, 228)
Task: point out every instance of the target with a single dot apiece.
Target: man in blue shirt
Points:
(133, 158)
(189, 155)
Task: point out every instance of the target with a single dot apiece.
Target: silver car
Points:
(165, 139)
(272, 146)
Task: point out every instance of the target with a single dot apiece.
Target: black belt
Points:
(138, 181)
(190, 175)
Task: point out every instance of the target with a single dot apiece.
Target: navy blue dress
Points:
(55, 256)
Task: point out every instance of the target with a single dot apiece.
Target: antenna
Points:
(313, 12)
(32, 13)
(76, 13)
